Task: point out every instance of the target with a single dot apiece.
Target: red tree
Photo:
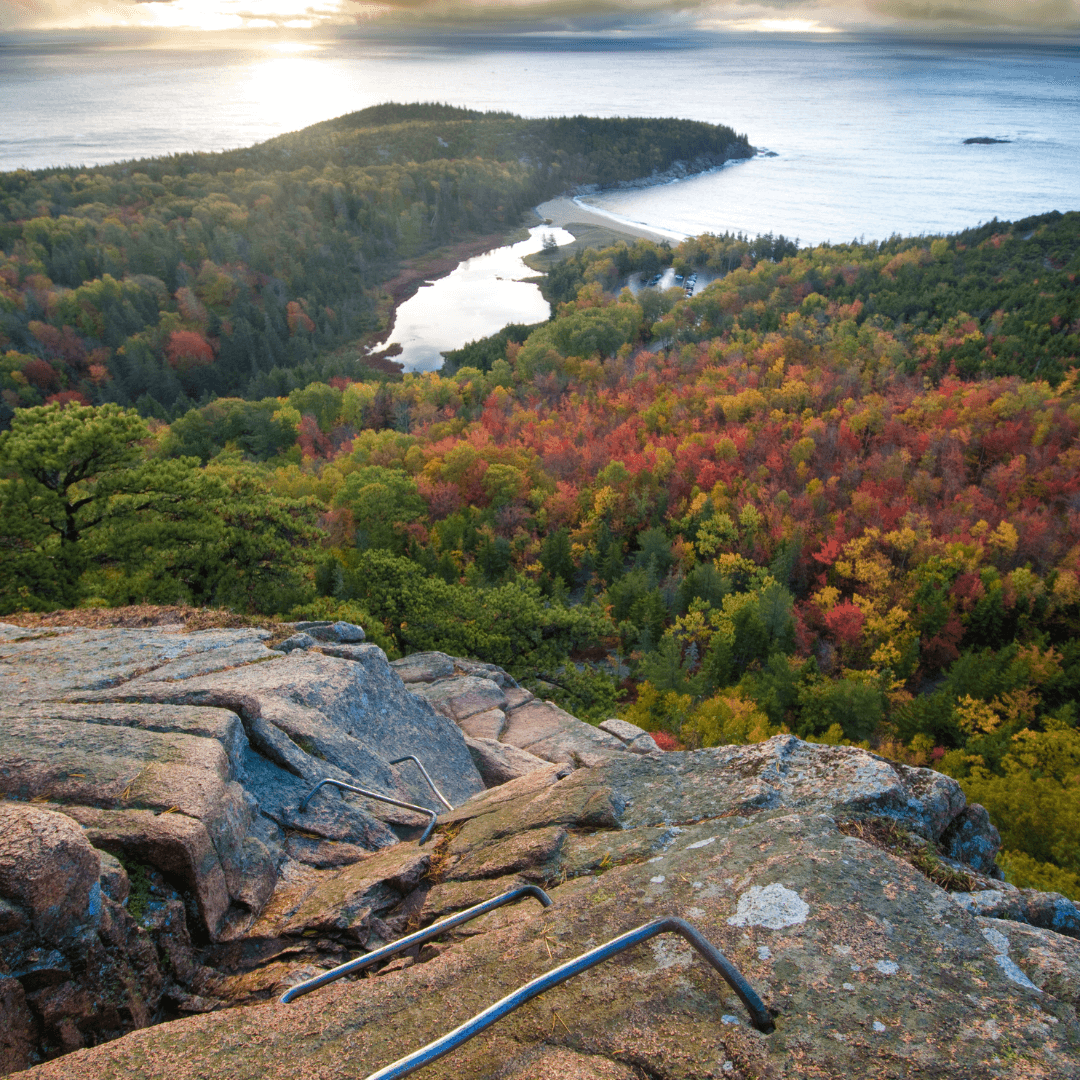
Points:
(187, 349)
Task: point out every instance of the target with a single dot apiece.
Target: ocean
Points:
(868, 132)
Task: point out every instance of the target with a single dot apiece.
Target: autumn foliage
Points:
(188, 349)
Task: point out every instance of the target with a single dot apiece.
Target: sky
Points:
(607, 16)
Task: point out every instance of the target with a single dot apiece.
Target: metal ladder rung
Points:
(759, 1015)
(418, 938)
(431, 783)
(379, 798)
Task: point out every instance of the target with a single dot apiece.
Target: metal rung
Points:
(418, 938)
(373, 795)
(431, 783)
(760, 1016)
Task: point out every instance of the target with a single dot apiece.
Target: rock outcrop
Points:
(187, 756)
(815, 869)
(489, 705)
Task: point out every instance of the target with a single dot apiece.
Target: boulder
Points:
(48, 868)
(486, 671)
(296, 641)
(74, 967)
(498, 762)
(17, 1034)
(165, 798)
(488, 705)
(972, 839)
(305, 708)
(459, 698)
(549, 732)
(485, 725)
(636, 740)
(1049, 911)
(424, 667)
(623, 730)
(340, 633)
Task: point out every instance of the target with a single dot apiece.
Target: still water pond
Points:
(477, 299)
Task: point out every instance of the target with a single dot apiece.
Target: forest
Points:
(835, 493)
(165, 283)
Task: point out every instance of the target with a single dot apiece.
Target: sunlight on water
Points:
(291, 88)
(292, 47)
(477, 299)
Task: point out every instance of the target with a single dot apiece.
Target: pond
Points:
(473, 301)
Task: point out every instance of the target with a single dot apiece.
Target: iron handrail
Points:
(760, 1016)
(431, 783)
(373, 795)
(418, 938)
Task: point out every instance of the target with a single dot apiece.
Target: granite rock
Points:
(484, 725)
(972, 839)
(74, 967)
(17, 1027)
(872, 969)
(342, 633)
(498, 762)
(487, 704)
(48, 868)
(304, 709)
(623, 730)
(424, 667)
(869, 967)
(1047, 910)
(187, 756)
(636, 740)
(296, 641)
(549, 732)
(462, 697)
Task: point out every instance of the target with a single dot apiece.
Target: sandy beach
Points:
(566, 213)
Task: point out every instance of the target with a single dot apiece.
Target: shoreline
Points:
(566, 211)
(672, 176)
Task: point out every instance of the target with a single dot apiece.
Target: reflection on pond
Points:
(477, 299)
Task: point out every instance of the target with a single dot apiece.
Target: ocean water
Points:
(867, 132)
(870, 141)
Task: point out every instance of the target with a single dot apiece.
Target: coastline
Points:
(678, 173)
(568, 211)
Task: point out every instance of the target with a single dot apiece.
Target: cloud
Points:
(654, 16)
(1060, 15)
(790, 15)
(172, 14)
